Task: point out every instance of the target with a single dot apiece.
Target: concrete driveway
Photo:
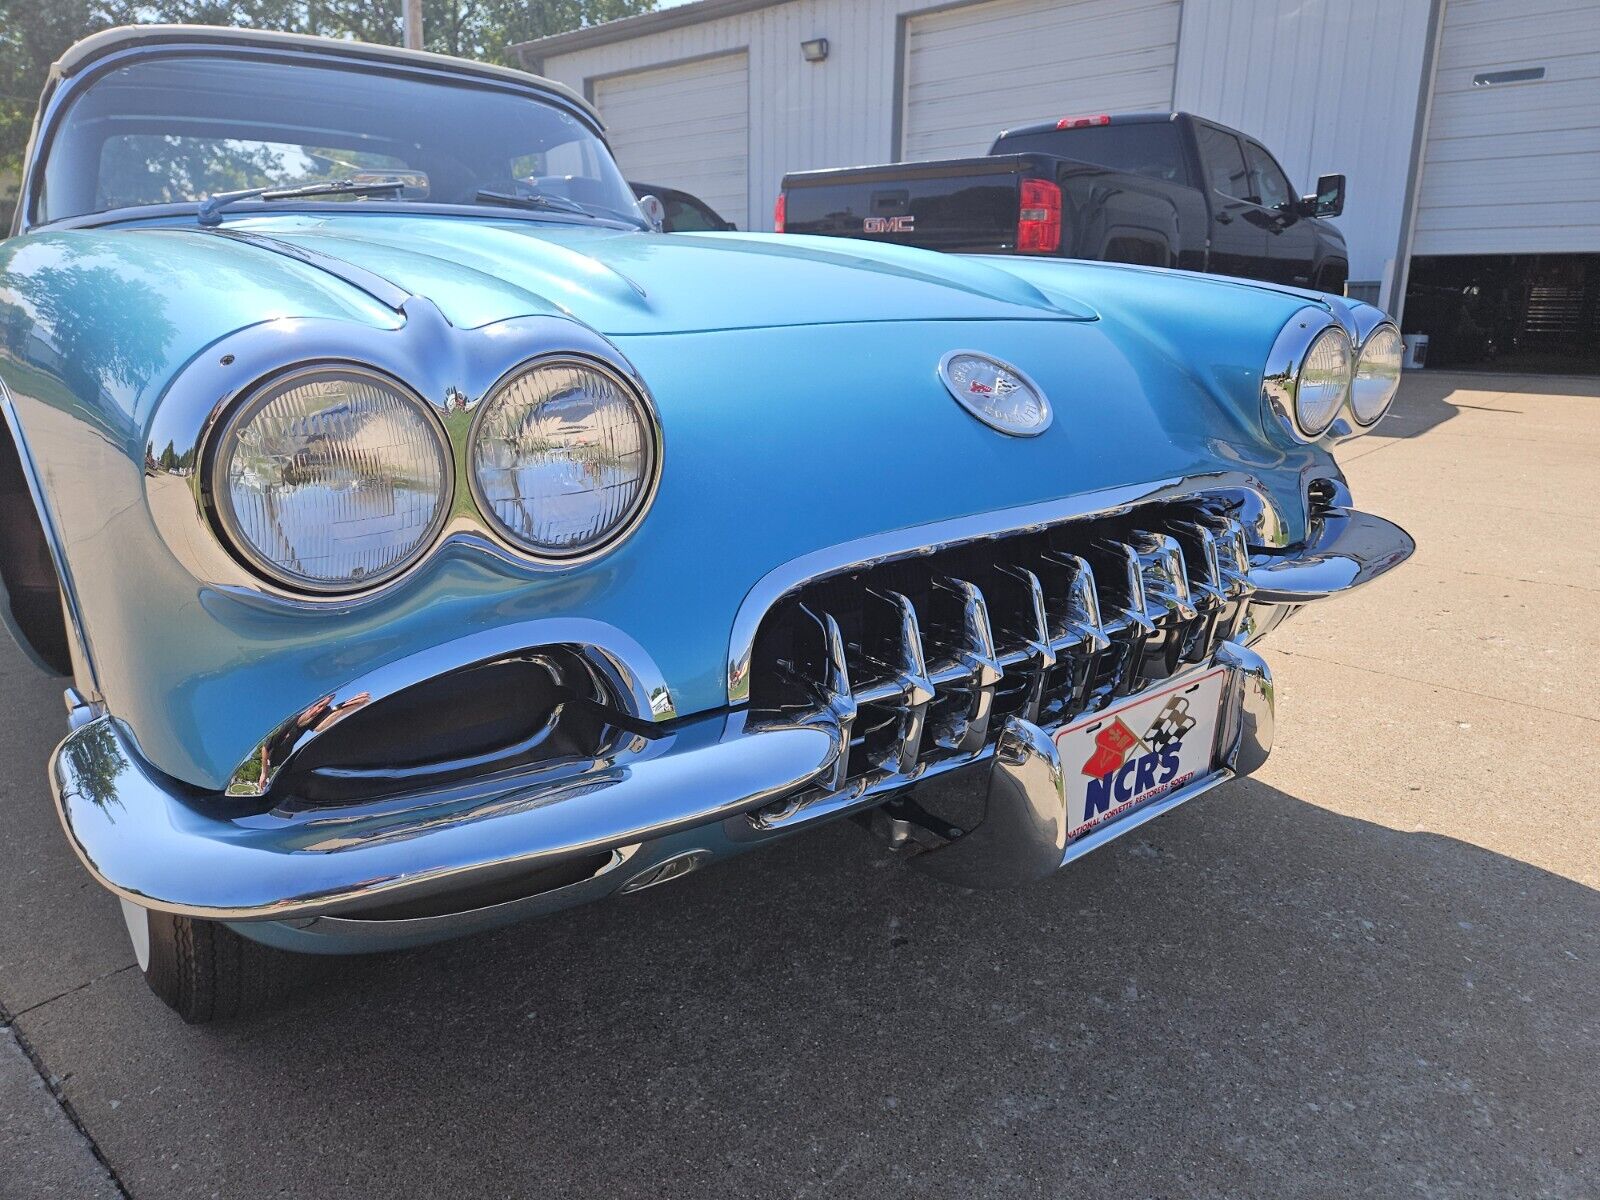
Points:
(1373, 970)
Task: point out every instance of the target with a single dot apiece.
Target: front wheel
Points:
(203, 970)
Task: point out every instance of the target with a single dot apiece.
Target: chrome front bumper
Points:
(159, 845)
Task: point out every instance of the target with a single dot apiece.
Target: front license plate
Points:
(1118, 760)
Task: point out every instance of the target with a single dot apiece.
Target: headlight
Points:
(1324, 380)
(1377, 376)
(564, 456)
(331, 479)
(1308, 372)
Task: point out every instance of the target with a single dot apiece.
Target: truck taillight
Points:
(780, 210)
(1039, 218)
(1083, 122)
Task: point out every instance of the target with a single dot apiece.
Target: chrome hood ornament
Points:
(995, 392)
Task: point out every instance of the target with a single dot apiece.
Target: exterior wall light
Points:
(815, 50)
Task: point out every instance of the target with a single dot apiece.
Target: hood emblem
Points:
(995, 392)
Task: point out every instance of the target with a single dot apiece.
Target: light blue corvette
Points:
(432, 544)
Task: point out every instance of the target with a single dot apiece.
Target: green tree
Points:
(33, 33)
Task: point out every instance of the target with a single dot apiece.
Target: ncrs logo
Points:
(907, 224)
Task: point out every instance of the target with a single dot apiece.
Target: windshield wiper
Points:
(211, 208)
(536, 200)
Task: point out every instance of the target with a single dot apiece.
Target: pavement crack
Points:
(78, 988)
(1434, 683)
(53, 1086)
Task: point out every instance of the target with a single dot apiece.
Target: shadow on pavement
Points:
(1253, 996)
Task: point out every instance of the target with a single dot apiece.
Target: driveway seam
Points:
(8, 1021)
(1445, 687)
(35, 1007)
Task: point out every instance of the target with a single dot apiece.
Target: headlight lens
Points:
(563, 456)
(1377, 375)
(332, 480)
(1324, 379)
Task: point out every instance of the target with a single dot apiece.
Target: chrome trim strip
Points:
(624, 664)
(1259, 517)
(150, 845)
(83, 654)
(388, 294)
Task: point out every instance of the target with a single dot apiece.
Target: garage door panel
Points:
(685, 126)
(973, 71)
(1512, 168)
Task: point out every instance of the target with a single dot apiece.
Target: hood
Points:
(622, 282)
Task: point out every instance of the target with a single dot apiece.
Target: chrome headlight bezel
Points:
(650, 425)
(247, 407)
(1380, 327)
(450, 367)
(1281, 381)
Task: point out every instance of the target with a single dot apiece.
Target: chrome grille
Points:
(919, 661)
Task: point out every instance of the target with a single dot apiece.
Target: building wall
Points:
(1327, 85)
(802, 115)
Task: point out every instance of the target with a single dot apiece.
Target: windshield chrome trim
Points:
(60, 90)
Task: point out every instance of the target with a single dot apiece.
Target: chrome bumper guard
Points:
(149, 840)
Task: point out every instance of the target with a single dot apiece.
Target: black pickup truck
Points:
(1162, 189)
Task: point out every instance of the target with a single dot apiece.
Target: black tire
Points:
(204, 971)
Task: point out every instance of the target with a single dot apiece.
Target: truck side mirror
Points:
(1328, 200)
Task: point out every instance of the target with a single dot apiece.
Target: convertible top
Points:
(90, 49)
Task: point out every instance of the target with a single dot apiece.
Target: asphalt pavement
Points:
(1371, 970)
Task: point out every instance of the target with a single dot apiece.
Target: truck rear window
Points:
(1146, 148)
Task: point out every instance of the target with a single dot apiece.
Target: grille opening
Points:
(538, 708)
(921, 660)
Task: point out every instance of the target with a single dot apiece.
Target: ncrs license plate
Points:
(1117, 761)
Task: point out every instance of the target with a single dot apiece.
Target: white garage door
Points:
(972, 71)
(686, 127)
(1513, 156)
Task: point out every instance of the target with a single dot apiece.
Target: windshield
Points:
(177, 128)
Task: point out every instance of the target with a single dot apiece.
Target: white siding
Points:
(802, 115)
(685, 127)
(973, 71)
(1514, 168)
(1328, 86)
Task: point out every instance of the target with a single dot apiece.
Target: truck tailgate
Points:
(961, 205)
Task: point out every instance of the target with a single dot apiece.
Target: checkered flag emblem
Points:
(1170, 726)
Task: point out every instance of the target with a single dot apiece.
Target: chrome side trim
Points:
(151, 845)
(1262, 522)
(625, 666)
(78, 634)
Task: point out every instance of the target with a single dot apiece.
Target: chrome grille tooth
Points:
(1084, 613)
(975, 651)
(1163, 576)
(1127, 617)
(839, 702)
(1037, 639)
(911, 674)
